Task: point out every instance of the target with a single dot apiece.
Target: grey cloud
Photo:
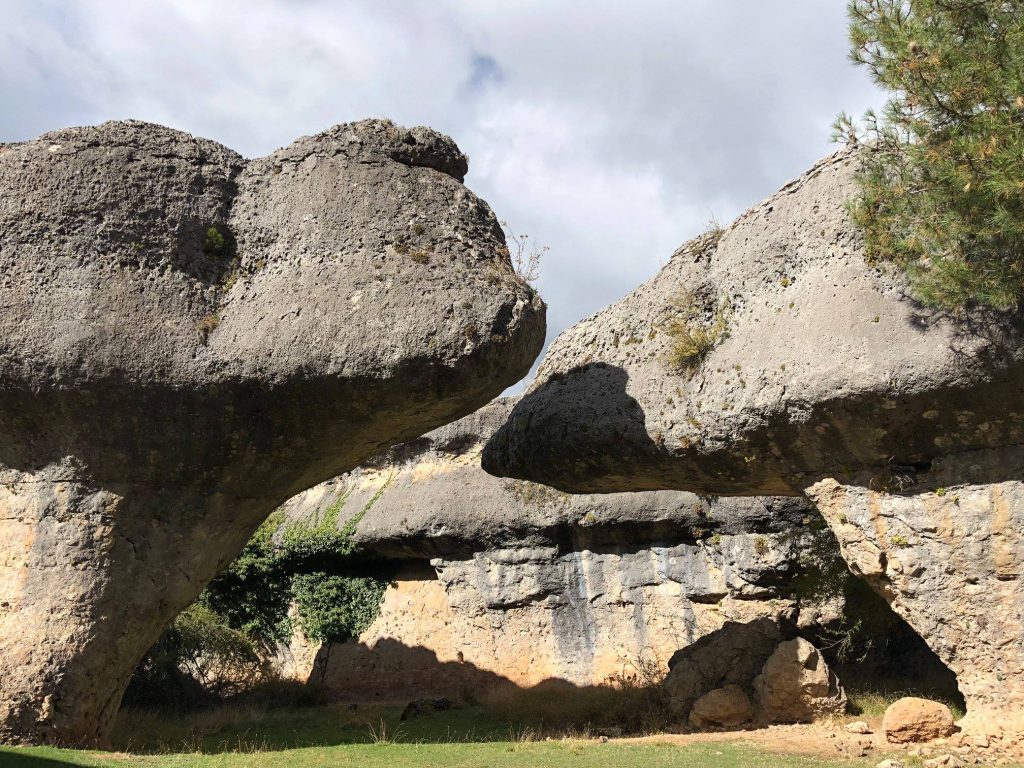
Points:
(609, 131)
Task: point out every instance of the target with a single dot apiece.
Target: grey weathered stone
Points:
(187, 339)
(831, 379)
(430, 498)
(827, 365)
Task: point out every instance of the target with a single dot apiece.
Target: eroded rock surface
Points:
(947, 552)
(187, 339)
(816, 372)
(823, 365)
(525, 583)
(796, 685)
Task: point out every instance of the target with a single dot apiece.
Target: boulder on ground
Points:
(911, 719)
(733, 655)
(187, 339)
(724, 707)
(796, 686)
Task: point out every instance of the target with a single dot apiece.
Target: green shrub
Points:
(942, 183)
(691, 337)
(254, 592)
(220, 642)
(198, 659)
(332, 608)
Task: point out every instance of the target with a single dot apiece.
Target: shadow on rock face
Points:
(581, 423)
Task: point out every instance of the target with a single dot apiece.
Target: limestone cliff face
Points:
(188, 338)
(511, 581)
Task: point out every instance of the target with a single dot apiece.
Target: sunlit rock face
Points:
(815, 373)
(187, 339)
(506, 581)
(947, 551)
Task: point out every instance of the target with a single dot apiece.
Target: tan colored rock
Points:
(911, 720)
(858, 727)
(723, 707)
(796, 686)
(947, 553)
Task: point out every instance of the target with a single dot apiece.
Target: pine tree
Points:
(942, 186)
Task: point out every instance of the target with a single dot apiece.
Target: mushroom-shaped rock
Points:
(759, 358)
(187, 339)
(772, 358)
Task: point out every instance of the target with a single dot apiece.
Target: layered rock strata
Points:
(509, 581)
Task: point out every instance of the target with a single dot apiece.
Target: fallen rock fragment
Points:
(796, 686)
(724, 707)
(911, 719)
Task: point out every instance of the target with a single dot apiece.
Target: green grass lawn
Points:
(563, 754)
(337, 736)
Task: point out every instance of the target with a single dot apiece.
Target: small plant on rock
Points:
(525, 254)
(693, 338)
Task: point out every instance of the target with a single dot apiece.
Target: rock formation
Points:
(525, 583)
(796, 685)
(770, 358)
(731, 655)
(187, 339)
(910, 719)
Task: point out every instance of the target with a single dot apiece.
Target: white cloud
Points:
(607, 130)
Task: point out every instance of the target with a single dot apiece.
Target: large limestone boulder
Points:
(771, 358)
(822, 365)
(911, 719)
(187, 339)
(517, 580)
(796, 686)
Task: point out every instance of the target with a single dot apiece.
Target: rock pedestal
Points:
(187, 339)
(773, 358)
(947, 553)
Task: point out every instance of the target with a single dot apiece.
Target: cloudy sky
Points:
(609, 131)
